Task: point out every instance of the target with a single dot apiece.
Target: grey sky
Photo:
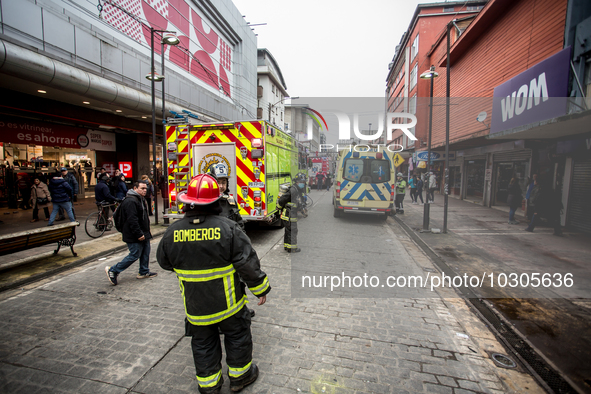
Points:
(331, 48)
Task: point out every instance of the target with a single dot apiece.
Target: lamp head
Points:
(157, 77)
(430, 73)
(170, 39)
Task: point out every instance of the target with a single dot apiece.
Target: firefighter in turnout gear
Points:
(229, 208)
(289, 202)
(209, 254)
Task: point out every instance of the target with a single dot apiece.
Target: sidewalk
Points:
(19, 269)
(480, 242)
(17, 220)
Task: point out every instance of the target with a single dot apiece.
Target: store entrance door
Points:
(475, 180)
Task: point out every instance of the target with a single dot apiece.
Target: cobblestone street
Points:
(79, 334)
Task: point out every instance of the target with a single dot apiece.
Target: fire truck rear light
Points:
(173, 195)
(257, 142)
(257, 199)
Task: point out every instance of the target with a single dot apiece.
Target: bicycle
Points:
(99, 222)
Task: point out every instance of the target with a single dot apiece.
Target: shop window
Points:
(455, 181)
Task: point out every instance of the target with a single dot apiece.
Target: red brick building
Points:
(406, 92)
(517, 81)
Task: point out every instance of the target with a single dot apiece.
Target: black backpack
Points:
(118, 218)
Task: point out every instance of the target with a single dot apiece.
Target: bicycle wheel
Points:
(95, 225)
(309, 202)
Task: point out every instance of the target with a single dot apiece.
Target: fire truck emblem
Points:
(244, 191)
(257, 173)
(243, 152)
(213, 158)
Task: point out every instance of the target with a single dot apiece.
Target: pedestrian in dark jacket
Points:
(535, 204)
(61, 194)
(71, 179)
(102, 192)
(149, 193)
(215, 250)
(529, 211)
(514, 199)
(120, 187)
(319, 180)
(135, 233)
(24, 187)
(419, 192)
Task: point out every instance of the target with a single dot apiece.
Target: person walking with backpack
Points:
(131, 218)
(149, 193)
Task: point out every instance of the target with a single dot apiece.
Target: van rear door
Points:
(366, 182)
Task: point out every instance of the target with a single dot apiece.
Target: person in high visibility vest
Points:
(400, 193)
(209, 254)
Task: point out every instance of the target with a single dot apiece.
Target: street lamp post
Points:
(168, 39)
(429, 74)
(447, 93)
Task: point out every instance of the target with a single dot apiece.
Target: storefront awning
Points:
(562, 126)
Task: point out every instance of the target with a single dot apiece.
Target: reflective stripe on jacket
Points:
(210, 254)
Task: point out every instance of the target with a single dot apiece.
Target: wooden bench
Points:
(63, 234)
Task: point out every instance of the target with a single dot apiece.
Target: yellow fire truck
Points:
(260, 158)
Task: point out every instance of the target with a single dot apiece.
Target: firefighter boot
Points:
(212, 390)
(243, 381)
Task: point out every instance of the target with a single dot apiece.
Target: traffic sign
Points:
(398, 160)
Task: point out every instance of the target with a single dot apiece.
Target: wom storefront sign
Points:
(536, 94)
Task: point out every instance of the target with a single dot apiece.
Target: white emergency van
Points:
(364, 181)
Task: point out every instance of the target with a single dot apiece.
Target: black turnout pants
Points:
(290, 237)
(206, 344)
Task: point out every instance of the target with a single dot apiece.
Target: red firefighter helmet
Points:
(203, 189)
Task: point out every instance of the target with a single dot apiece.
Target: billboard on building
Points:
(202, 51)
(537, 94)
(29, 132)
